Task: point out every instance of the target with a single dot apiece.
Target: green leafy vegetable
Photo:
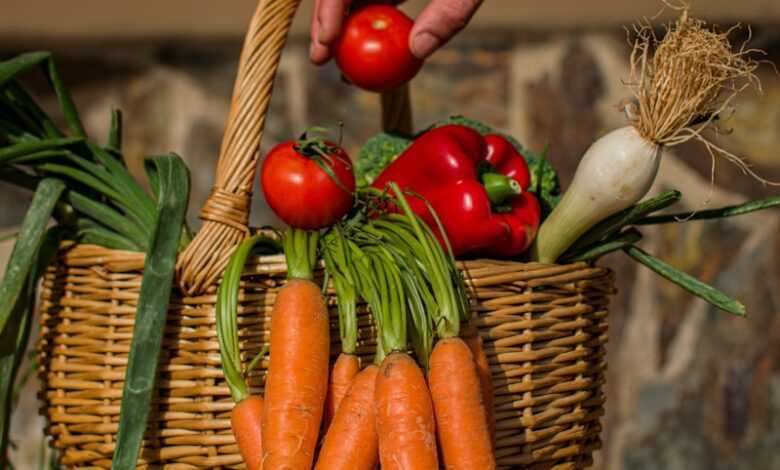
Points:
(376, 154)
(544, 183)
(461, 120)
(156, 288)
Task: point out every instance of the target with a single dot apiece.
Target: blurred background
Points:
(688, 387)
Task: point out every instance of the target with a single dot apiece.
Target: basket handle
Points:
(225, 213)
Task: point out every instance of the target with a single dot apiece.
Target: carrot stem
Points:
(226, 312)
(340, 268)
(300, 251)
(446, 281)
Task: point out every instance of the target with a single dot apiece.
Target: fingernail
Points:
(316, 54)
(423, 44)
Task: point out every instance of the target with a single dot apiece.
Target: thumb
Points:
(439, 22)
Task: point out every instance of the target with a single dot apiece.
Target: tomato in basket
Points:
(373, 49)
(309, 183)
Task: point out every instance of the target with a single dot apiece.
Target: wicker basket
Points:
(544, 325)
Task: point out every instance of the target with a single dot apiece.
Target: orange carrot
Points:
(297, 379)
(464, 438)
(344, 371)
(245, 419)
(471, 336)
(404, 416)
(455, 388)
(351, 441)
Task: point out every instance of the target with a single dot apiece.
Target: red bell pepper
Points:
(477, 186)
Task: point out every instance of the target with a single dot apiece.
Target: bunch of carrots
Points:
(427, 396)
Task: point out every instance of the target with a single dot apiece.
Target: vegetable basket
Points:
(544, 326)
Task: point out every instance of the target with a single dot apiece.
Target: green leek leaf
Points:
(21, 63)
(125, 180)
(153, 303)
(66, 102)
(9, 154)
(104, 216)
(13, 344)
(17, 113)
(115, 131)
(28, 104)
(23, 255)
(17, 292)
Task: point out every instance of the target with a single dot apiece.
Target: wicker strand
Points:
(226, 212)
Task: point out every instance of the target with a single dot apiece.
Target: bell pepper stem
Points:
(500, 187)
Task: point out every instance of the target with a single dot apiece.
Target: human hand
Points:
(436, 25)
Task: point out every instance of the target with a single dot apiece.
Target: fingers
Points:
(439, 22)
(318, 52)
(330, 16)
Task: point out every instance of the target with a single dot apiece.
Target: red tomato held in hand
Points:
(300, 191)
(373, 49)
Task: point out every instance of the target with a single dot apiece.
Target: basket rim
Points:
(123, 261)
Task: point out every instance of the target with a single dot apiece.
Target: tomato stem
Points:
(322, 153)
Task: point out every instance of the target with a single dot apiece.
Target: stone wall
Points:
(688, 387)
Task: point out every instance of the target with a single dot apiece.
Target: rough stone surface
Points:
(688, 387)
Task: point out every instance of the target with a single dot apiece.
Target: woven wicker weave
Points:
(544, 326)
